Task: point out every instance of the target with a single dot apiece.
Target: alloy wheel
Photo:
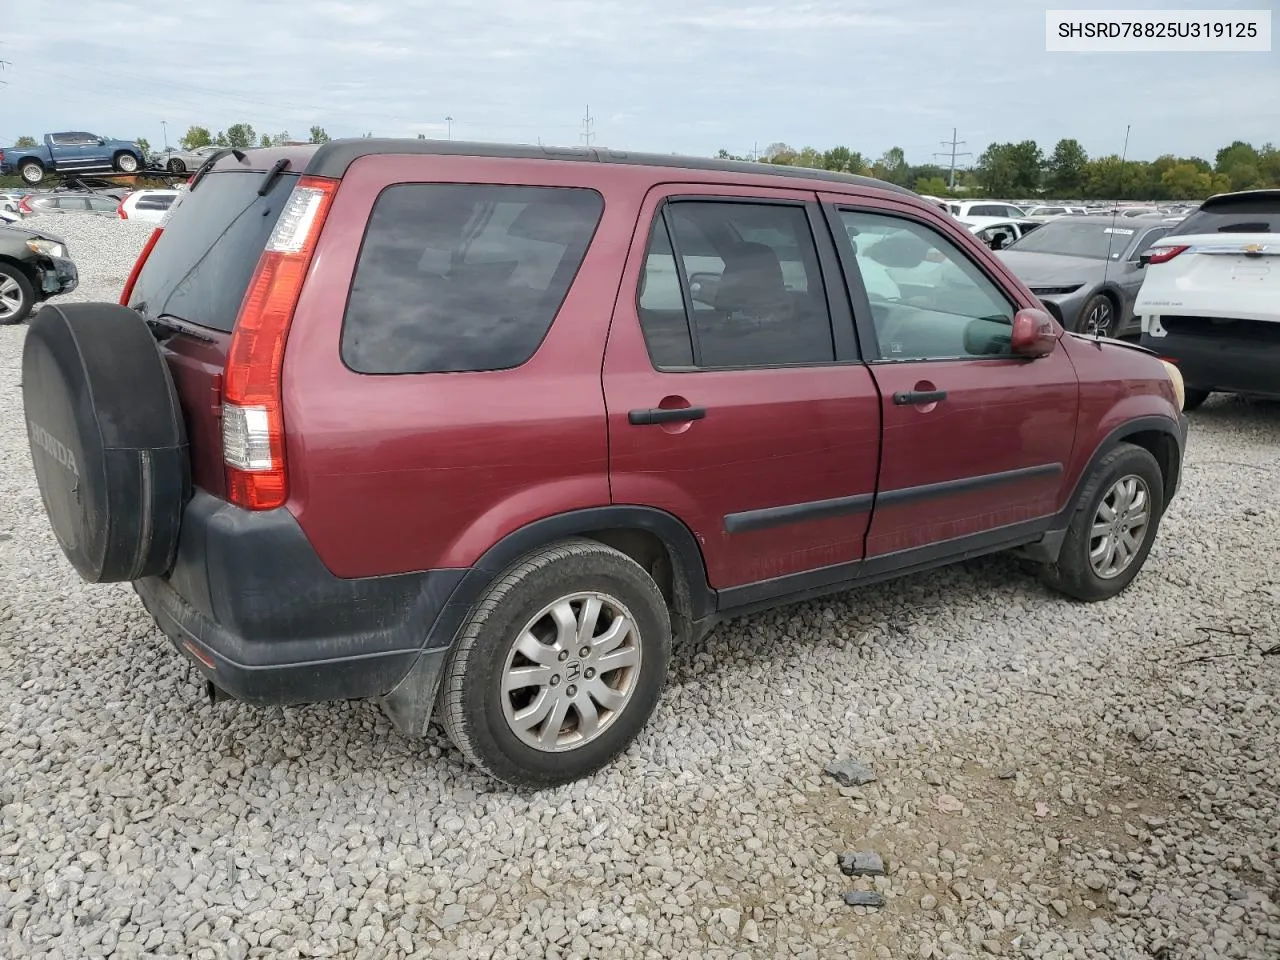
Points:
(1120, 526)
(571, 671)
(10, 298)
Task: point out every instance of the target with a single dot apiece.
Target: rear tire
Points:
(126, 163)
(31, 171)
(1195, 398)
(1121, 505)
(599, 635)
(17, 295)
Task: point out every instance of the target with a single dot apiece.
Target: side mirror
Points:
(1035, 333)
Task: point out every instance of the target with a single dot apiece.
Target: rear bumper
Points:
(251, 605)
(1226, 364)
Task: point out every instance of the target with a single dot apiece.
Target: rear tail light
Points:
(137, 266)
(120, 210)
(252, 414)
(1164, 254)
(25, 205)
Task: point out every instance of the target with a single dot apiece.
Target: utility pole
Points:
(953, 143)
(587, 122)
(164, 125)
(449, 121)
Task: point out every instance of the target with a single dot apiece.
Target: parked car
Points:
(457, 433)
(70, 202)
(1087, 270)
(182, 161)
(997, 233)
(1210, 300)
(74, 152)
(965, 209)
(9, 201)
(149, 205)
(1051, 210)
(34, 266)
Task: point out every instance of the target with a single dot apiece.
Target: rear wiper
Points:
(172, 324)
(273, 175)
(212, 161)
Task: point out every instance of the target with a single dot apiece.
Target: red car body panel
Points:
(399, 473)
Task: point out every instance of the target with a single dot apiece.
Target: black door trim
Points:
(766, 594)
(767, 517)
(946, 488)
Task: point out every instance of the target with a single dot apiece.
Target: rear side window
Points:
(201, 266)
(463, 277)
(158, 202)
(1259, 214)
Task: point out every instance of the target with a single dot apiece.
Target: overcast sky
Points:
(687, 76)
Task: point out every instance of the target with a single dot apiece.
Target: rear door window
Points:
(201, 266)
(463, 277)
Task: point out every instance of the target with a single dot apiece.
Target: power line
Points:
(953, 143)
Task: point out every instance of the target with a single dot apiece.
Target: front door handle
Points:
(641, 418)
(905, 398)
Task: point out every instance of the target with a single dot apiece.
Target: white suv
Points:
(149, 205)
(1210, 301)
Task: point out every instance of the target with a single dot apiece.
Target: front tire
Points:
(17, 295)
(177, 166)
(1097, 317)
(558, 667)
(1113, 528)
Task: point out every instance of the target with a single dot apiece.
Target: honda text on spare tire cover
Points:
(479, 432)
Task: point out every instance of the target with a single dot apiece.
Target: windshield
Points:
(1093, 241)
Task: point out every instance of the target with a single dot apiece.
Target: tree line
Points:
(1013, 170)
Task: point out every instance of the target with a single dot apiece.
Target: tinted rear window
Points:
(201, 266)
(1247, 215)
(161, 202)
(462, 277)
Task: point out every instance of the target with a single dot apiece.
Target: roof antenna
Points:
(1115, 212)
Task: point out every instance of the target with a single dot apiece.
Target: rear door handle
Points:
(641, 418)
(905, 398)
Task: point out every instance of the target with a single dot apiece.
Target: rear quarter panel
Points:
(389, 474)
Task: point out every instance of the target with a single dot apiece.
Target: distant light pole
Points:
(449, 121)
(164, 125)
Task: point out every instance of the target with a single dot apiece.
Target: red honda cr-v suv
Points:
(477, 431)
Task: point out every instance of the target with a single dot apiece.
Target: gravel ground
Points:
(1052, 780)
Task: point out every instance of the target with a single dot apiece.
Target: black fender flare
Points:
(1046, 549)
(1176, 430)
(673, 533)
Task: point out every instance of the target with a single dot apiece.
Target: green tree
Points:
(934, 186)
(844, 160)
(779, 153)
(1011, 169)
(264, 140)
(1065, 169)
(319, 136)
(221, 140)
(1183, 181)
(241, 136)
(26, 142)
(195, 138)
(144, 145)
(891, 166)
(1269, 165)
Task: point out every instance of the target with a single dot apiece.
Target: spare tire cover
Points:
(107, 439)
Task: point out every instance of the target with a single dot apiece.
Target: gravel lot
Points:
(1053, 780)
